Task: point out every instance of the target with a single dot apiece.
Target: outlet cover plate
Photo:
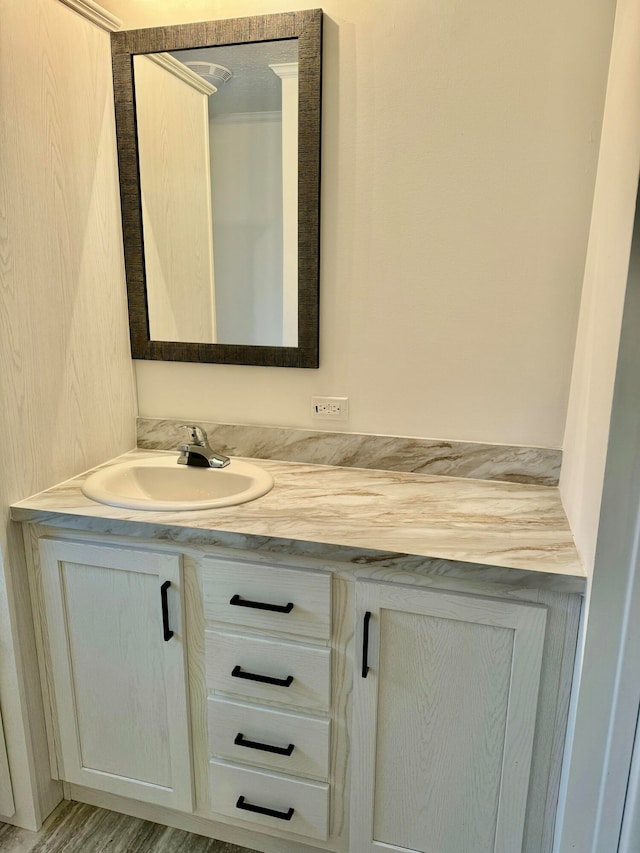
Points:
(330, 408)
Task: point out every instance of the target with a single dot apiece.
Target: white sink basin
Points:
(163, 485)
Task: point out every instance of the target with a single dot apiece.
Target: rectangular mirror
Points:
(218, 127)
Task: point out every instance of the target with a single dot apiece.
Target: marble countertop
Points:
(492, 523)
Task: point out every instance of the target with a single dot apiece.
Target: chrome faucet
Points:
(198, 451)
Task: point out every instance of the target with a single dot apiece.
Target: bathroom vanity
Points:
(356, 661)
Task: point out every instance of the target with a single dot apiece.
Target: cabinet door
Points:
(119, 679)
(443, 720)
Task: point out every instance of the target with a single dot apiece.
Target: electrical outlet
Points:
(335, 408)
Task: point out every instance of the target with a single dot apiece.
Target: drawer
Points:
(295, 674)
(273, 599)
(249, 734)
(300, 807)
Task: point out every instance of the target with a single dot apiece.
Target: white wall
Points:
(459, 150)
(66, 382)
(605, 281)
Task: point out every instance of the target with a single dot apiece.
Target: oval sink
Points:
(163, 485)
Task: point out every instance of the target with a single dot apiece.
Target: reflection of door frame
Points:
(288, 74)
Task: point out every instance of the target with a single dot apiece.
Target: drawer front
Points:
(297, 675)
(300, 807)
(279, 740)
(290, 600)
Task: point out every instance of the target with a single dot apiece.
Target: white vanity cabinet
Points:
(117, 669)
(271, 737)
(445, 699)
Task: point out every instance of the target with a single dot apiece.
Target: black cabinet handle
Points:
(259, 605)
(249, 807)
(365, 644)
(265, 679)
(240, 740)
(168, 633)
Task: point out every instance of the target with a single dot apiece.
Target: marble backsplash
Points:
(536, 465)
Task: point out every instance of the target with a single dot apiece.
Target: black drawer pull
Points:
(166, 631)
(265, 747)
(365, 644)
(265, 679)
(249, 807)
(260, 605)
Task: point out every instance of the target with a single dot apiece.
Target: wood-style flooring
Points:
(78, 828)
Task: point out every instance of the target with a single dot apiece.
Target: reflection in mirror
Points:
(218, 127)
(218, 142)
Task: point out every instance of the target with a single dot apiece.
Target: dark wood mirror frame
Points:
(306, 26)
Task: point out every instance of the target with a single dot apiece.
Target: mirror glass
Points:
(218, 141)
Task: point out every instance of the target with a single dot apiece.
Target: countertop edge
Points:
(354, 558)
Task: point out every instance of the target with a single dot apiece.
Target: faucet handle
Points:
(196, 434)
